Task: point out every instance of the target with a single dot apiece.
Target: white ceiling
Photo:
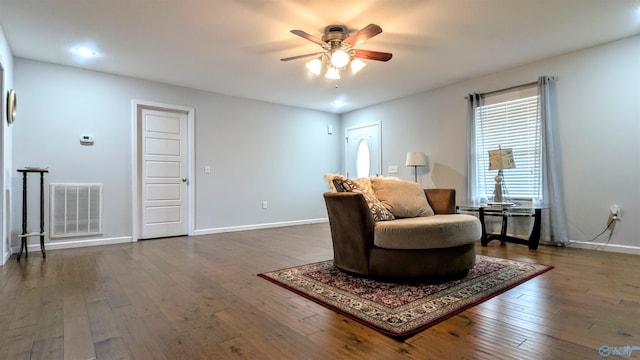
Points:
(234, 46)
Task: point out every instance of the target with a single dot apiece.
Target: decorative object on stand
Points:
(415, 159)
(338, 50)
(499, 160)
(12, 106)
(403, 309)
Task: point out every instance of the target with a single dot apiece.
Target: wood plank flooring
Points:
(199, 298)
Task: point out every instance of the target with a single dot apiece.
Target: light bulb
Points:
(332, 73)
(357, 65)
(339, 58)
(315, 66)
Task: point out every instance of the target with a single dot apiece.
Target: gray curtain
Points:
(550, 195)
(474, 101)
(554, 218)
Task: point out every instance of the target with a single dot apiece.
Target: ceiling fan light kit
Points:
(338, 50)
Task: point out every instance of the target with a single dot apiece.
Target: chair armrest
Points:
(351, 226)
(442, 201)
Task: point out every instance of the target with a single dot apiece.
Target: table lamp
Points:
(498, 160)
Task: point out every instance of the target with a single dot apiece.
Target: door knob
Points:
(184, 179)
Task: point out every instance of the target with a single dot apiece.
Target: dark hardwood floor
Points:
(199, 298)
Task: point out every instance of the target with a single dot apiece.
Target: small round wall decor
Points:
(12, 105)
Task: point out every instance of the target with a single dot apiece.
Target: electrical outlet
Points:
(614, 209)
(615, 212)
(265, 204)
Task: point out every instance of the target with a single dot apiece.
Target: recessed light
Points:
(84, 51)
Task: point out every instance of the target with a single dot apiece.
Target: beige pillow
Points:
(403, 198)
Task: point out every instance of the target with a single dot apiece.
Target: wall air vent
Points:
(76, 210)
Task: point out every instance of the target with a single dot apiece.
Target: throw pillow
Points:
(403, 199)
(329, 178)
(378, 211)
(365, 183)
(337, 185)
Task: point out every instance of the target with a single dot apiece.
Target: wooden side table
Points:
(505, 212)
(25, 234)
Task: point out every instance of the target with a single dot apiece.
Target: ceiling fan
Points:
(339, 50)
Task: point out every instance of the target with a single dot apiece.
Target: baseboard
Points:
(259, 226)
(68, 244)
(626, 249)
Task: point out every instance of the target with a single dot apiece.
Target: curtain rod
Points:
(507, 89)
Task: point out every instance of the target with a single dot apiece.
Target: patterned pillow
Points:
(329, 178)
(379, 212)
(337, 185)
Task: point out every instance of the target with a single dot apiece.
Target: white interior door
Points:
(362, 151)
(164, 201)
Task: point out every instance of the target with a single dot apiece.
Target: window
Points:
(510, 120)
(364, 159)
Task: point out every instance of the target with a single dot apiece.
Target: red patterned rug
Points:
(402, 310)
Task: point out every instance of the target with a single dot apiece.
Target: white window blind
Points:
(510, 122)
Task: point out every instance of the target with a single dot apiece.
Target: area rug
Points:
(402, 310)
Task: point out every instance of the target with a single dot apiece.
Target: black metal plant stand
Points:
(25, 234)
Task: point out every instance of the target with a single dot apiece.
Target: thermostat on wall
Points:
(86, 139)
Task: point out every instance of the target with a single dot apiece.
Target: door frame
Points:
(359, 126)
(136, 116)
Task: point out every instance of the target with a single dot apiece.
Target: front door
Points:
(164, 204)
(362, 156)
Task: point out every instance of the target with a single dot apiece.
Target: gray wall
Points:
(260, 151)
(6, 66)
(257, 151)
(599, 128)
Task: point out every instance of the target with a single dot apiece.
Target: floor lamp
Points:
(498, 160)
(415, 159)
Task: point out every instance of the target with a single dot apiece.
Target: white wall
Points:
(257, 151)
(599, 128)
(6, 67)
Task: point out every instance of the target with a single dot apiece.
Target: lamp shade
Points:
(501, 159)
(332, 73)
(315, 66)
(416, 158)
(357, 65)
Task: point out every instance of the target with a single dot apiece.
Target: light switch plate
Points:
(393, 169)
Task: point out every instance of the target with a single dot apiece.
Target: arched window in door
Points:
(363, 159)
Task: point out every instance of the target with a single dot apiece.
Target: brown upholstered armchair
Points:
(353, 230)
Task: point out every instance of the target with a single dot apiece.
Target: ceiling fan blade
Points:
(311, 38)
(300, 56)
(372, 55)
(362, 35)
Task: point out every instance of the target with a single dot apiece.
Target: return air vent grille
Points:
(76, 210)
